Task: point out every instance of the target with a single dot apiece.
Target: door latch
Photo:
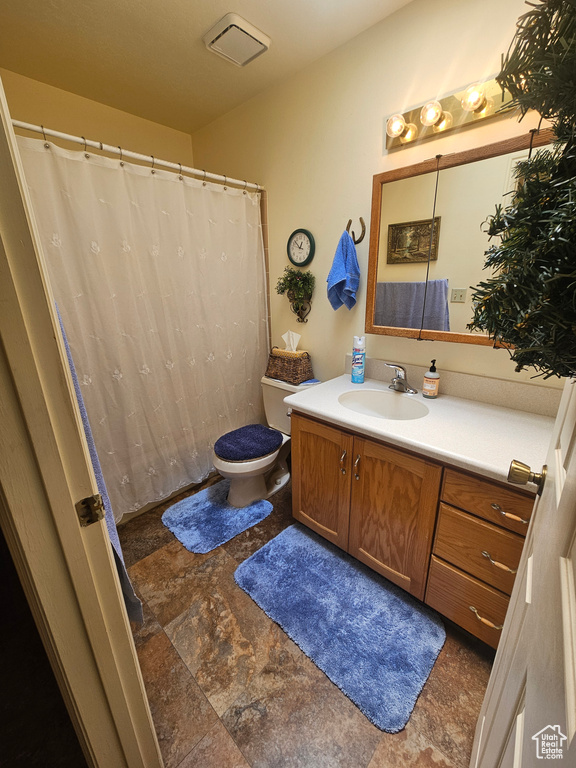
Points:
(90, 510)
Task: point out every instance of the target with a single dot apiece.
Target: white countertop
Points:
(475, 436)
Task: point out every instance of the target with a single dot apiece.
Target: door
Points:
(321, 462)
(392, 513)
(67, 571)
(529, 711)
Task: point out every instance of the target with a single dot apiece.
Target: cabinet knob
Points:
(521, 474)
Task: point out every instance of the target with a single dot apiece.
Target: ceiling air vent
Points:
(235, 39)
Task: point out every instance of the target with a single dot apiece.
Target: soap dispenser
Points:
(431, 382)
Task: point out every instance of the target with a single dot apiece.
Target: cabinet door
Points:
(321, 472)
(392, 514)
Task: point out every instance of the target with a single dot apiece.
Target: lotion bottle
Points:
(431, 382)
(358, 359)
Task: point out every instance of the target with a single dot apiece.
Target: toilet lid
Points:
(250, 442)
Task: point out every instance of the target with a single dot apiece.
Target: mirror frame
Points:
(507, 146)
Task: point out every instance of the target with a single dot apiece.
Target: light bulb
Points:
(409, 134)
(431, 113)
(485, 109)
(395, 126)
(474, 99)
(444, 123)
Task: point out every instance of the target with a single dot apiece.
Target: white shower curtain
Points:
(161, 287)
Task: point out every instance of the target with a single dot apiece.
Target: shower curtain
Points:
(160, 281)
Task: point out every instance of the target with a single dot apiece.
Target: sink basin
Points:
(383, 404)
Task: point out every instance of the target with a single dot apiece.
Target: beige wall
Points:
(41, 104)
(316, 140)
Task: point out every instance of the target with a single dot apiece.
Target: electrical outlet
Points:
(458, 295)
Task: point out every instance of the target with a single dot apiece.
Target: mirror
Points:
(410, 294)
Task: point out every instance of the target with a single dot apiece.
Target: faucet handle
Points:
(399, 369)
(400, 382)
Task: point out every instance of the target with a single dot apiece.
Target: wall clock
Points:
(301, 247)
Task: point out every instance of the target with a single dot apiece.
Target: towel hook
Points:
(353, 235)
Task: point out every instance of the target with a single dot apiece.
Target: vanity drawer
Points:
(452, 593)
(461, 539)
(495, 503)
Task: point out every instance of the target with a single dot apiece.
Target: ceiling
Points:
(147, 57)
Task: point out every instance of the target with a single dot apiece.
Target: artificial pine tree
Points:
(529, 304)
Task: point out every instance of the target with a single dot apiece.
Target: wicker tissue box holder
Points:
(292, 367)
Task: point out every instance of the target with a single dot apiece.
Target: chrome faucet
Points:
(400, 382)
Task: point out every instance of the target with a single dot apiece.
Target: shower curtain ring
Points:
(45, 139)
(225, 182)
(86, 155)
(121, 161)
(180, 175)
(245, 185)
(204, 179)
(153, 171)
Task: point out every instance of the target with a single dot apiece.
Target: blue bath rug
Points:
(373, 640)
(205, 520)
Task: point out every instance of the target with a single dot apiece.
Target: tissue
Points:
(291, 340)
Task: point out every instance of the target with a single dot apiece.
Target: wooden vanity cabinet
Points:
(392, 512)
(321, 478)
(450, 538)
(376, 502)
(477, 547)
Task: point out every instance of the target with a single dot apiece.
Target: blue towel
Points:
(344, 276)
(133, 604)
(400, 305)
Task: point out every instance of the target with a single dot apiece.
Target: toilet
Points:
(254, 457)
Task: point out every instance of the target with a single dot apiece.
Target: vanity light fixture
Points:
(444, 124)
(398, 128)
(474, 99)
(395, 126)
(431, 113)
(469, 106)
(409, 134)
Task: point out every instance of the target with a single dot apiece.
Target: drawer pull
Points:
(485, 621)
(342, 469)
(356, 463)
(516, 519)
(497, 564)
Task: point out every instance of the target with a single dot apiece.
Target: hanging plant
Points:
(299, 287)
(529, 304)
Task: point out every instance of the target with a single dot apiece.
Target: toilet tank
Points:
(274, 392)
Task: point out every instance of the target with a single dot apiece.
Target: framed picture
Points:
(409, 242)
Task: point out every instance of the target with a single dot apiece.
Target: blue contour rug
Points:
(372, 639)
(205, 520)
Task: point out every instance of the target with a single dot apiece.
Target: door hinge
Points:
(90, 510)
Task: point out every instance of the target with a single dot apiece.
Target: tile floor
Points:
(228, 689)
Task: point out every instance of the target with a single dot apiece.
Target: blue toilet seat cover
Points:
(250, 442)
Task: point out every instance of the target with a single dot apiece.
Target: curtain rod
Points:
(204, 175)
